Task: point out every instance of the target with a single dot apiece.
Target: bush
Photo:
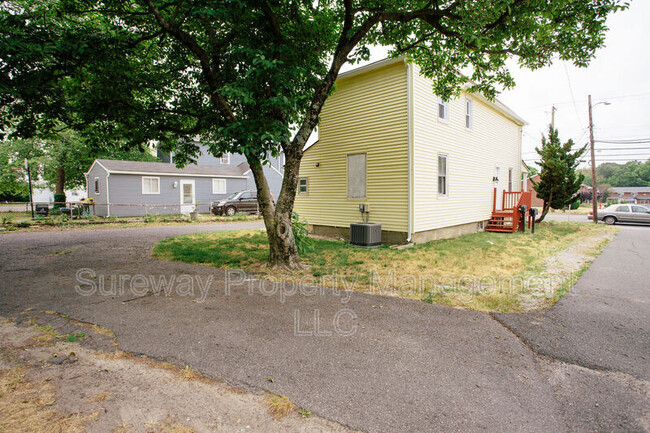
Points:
(59, 200)
(55, 211)
(301, 235)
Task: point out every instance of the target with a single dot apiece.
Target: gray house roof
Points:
(166, 169)
(631, 189)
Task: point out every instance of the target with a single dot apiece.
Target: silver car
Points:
(623, 213)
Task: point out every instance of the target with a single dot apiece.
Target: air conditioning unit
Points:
(365, 234)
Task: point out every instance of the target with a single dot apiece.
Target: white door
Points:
(188, 198)
(499, 187)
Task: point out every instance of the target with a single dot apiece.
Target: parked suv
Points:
(237, 202)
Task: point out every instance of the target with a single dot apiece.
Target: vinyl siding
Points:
(367, 113)
(101, 199)
(126, 196)
(472, 155)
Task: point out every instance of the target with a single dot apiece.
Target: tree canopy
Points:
(559, 181)
(633, 173)
(60, 161)
(251, 77)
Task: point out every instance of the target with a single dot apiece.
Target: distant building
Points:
(629, 194)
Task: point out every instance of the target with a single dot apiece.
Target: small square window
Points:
(443, 110)
(218, 186)
(150, 185)
(303, 185)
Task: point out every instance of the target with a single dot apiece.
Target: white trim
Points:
(370, 67)
(446, 193)
(469, 103)
(193, 204)
(108, 201)
(147, 173)
(410, 126)
(278, 171)
(93, 164)
(306, 179)
(225, 186)
(226, 157)
(445, 104)
(246, 173)
(150, 177)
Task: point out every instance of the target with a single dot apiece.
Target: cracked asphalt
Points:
(409, 366)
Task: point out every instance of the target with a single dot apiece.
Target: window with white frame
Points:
(443, 185)
(357, 175)
(150, 185)
(443, 110)
(96, 185)
(225, 159)
(303, 185)
(468, 113)
(510, 179)
(218, 186)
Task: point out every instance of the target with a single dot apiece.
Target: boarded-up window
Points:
(442, 175)
(357, 176)
(96, 185)
(150, 185)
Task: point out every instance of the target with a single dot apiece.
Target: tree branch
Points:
(190, 43)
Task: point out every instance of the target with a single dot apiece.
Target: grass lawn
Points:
(483, 271)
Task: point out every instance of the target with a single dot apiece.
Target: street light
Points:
(594, 190)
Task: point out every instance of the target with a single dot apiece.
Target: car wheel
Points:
(231, 211)
(609, 220)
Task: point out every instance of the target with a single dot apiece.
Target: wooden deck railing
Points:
(510, 202)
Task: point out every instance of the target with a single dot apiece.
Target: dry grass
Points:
(124, 428)
(449, 271)
(186, 373)
(168, 426)
(279, 406)
(102, 396)
(26, 406)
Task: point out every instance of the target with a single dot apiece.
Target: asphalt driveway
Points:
(372, 363)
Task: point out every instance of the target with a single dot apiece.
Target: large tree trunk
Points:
(60, 180)
(283, 251)
(545, 209)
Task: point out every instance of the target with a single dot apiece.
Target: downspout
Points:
(409, 116)
(108, 200)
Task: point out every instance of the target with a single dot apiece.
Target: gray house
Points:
(132, 188)
(273, 170)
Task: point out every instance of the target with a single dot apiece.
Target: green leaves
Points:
(559, 179)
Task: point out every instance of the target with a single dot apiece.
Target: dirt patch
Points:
(49, 384)
(562, 270)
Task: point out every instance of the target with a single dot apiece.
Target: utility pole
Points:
(553, 110)
(29, 179)
(594, 190)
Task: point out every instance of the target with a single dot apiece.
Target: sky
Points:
(619, 74)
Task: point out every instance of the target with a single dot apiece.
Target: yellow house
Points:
(424, 168)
